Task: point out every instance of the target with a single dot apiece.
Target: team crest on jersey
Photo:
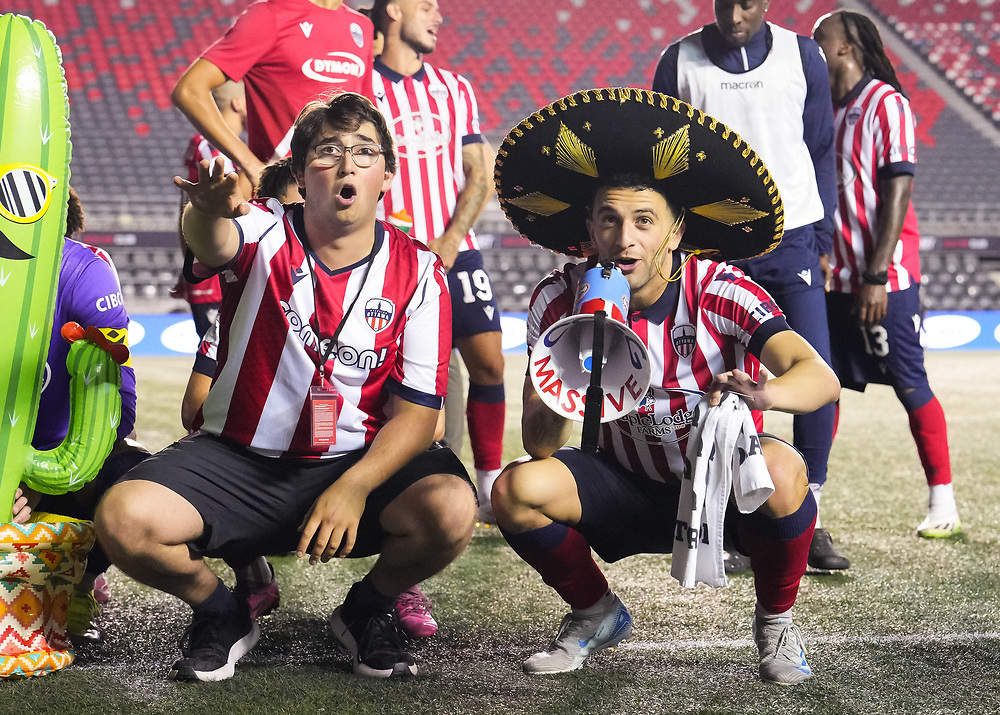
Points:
(357, 34)
(853, 115)
(439, 92)
(426, 138)
(684, 338)
(379, 313)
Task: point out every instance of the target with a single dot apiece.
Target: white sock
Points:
(817, 492)
(942, 500)
(484, 484)
(602, 606)
(760, 612)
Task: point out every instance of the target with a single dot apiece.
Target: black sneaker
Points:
(212, 644)
(823, 554)
(377, 645)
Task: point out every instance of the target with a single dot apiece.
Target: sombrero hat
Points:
(549, 166)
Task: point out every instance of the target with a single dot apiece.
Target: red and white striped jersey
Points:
(432, 115)
(273, 326)
(874, 131)
(718, 311)
(288, 52)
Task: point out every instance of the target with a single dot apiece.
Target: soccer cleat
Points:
(824, 555)
(260, 600)
(484, 514)
(413, 609)
(81, 615)
(940, 526)
(213, 643)
(782, 651)
(578, 637)
(376, 644)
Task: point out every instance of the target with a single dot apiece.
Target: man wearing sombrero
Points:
(645, 182)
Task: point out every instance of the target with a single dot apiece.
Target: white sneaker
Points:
(578, 637)
(782, 651)
(940, 526)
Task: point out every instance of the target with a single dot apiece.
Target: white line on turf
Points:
(901, 639)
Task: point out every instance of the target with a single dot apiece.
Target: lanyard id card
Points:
(323, 408)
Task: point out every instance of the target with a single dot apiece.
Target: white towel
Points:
(723, 455)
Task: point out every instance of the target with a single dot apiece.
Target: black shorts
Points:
(625, 513)
(253, 505)
(474, 308)
(887, 354)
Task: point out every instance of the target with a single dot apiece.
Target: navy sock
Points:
(364, 600)
(221, 601)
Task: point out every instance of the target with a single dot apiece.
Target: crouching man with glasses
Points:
(316, 436)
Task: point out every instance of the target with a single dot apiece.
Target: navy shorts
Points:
(474, 308)
(887, 354)
(625, 513)
(253, 505)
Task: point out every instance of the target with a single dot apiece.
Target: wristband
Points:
(875, 279)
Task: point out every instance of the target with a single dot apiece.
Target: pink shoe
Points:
(101, 593)
(413, 609)
(261, 601)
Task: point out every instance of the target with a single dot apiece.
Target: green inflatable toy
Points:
(34, 189)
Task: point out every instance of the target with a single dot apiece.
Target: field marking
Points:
(735, 643)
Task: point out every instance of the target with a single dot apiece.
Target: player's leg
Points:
(904, 366)
(553, 512)
(777, 538)
(476, 333)
(418, 522)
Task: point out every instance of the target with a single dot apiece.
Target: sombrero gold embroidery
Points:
(538, 203)
(670, 156)
(573, 154)
(729, 212)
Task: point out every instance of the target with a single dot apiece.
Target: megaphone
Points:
(565, 361)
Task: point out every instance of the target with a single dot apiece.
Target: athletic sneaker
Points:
(376, 645)
(213, 643)
(578, 637)
(261, 600)
(940, 526)
(782, 651)
(413, 609)
(81, 615)
(824, 555)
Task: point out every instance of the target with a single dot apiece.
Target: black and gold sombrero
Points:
(550, 164)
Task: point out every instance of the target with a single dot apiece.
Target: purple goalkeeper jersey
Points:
(89, 294)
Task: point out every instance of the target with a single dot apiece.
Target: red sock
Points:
(562, 558)
(778, 550)
(930, 432)
(485, 411)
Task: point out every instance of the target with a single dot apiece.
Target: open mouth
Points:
(347, 194)
(626, 261)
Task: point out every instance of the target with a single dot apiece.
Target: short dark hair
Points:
(634, 182)
(342, 111)
(275, 178)
(74, 214)
(378, 15)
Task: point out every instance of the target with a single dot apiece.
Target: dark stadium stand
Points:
(122, 58)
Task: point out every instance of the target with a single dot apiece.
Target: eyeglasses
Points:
(364, 155)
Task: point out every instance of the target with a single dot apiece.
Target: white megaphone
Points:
(563, 365)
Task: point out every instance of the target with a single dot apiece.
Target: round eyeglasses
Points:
(364, 155)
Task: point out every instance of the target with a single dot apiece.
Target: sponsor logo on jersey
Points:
(357, 34)
(347, 355)
(335, 68)
(853, 115)
(298, 273)
(806, 275)
(759, 84)
(379, 313)
(426, 139)
(307, 28)
(684, 338)
(110, 301)
(653, 420)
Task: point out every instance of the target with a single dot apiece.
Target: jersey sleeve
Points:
(737, 306)
(471, 132)
(420, 374)
(894, 136)
(249, 38)
(551, 301)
